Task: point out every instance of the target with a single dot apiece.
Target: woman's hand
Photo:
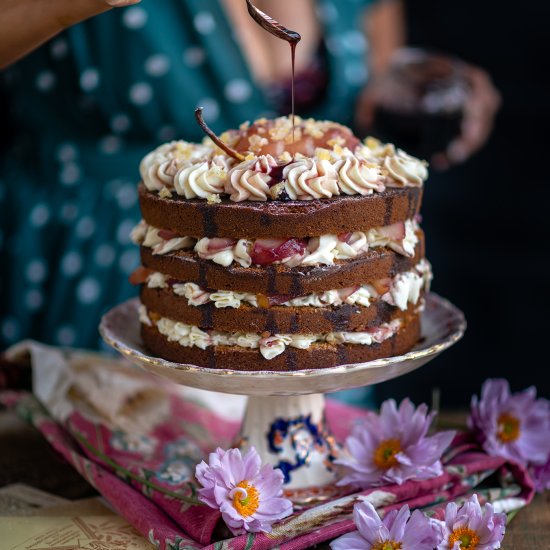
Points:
(26, 24)
(482, 104)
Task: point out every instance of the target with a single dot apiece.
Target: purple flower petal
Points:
(350, 541)
(368, 523)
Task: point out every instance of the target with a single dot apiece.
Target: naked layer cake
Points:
(302, 252)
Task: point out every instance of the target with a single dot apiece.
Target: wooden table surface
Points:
(26, 457)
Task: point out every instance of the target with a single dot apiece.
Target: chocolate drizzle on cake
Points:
(276, 29)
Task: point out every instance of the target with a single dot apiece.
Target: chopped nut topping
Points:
(276, 190)
(257, 142)
(165, 193)
(213, 198)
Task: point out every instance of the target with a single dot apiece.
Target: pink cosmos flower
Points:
(541, 476)
(514, 426)
(398, 531)
(247, 494)
(393, 447)
(472, 528)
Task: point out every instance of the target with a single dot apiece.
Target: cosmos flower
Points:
(399, 530)
(472, 528)
(514, 426)
(247, 494)
(393, 447)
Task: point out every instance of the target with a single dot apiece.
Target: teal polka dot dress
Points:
(84, 109)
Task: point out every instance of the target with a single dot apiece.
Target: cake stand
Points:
(284, 418)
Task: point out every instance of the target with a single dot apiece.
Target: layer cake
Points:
(303, 252)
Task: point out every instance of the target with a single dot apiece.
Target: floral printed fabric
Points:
(145, 477)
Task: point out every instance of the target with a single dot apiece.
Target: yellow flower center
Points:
(508, 428)
(384, 455)
(387, 545)
(246, 500)
(467, 538)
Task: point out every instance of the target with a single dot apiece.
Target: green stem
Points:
(120, 469)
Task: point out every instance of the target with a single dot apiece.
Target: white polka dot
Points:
(36, 271)
(120, 123)
(334, 45)
(193, 56)
(141, 93)
(34, 299)
(110, 144)
(40, 215)
(204, 22)
(69, 174)
(326, 12)
(211, 109)
(123, 231)
(355, 73)
(45, 81)
(66, 152)
(134, 18)
(59, 48)
(126, 196)
(10, 329)
(71, 263)
(166, 133)
(69, 212)
(238, 90)
(85, 227)
(104, 255)
(157, 65)
(354, 41)
(89, 79)
(129, 260)
(65, 335)
(88, 290)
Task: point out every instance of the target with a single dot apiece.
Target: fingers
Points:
(479, 112)
(121, 3)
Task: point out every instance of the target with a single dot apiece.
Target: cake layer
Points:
(279, 219)
(375, 264)
(319, 355)
(275, 319)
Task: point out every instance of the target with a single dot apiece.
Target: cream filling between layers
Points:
(271, 346)
(404, 289)
(400, 237)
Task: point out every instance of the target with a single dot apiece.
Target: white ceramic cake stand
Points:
(284, 417)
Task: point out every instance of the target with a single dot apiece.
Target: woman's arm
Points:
(26, 24)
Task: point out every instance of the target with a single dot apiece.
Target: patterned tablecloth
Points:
(137, 440)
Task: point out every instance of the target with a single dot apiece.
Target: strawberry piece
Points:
(345, 237)
(395, 232)
(167, 235)
(267, 251)
(217, 244)
(345, 293)
(382, 285)
(139, 276)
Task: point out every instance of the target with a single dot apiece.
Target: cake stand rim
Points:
(416, 354)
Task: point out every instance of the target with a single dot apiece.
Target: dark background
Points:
(487, 221)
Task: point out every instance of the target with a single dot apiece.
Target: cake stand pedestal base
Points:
(290, 432)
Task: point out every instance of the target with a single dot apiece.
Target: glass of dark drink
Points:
(420, 101)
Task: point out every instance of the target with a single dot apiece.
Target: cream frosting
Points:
(203, 171)
(404, 289)
(322, 250)
(270, 346)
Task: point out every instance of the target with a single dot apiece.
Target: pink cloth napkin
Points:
(144, 475)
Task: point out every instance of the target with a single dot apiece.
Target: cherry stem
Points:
(215, 138)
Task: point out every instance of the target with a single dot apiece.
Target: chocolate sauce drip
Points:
(271, 324)
(207, 311)
(210, 228)
(291, 361)
(342, 354)
(340, 316)
(296, 288)
(294, 326)
(388, 213)
(202, 274)
(276, 29)
(271, 286)
(265, 220)
(211, 357)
